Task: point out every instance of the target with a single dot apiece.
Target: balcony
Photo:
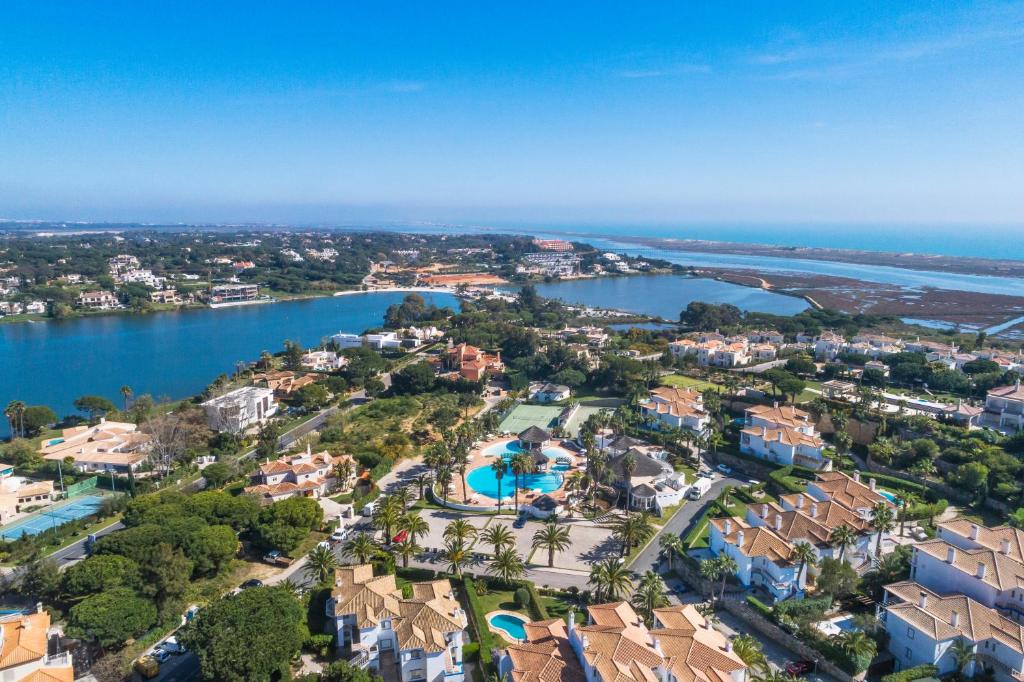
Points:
(61, 660)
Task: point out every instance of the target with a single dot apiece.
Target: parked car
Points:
(339, 534)
(160, 655)
(272, 556)
(147, 666)
(799, 667)
(519, 522)
(171, 646)
(919, 534)
(724, 469)
(252, 582)
(402, 535)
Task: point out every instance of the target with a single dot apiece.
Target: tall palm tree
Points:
(444, 479)
(857, 644)
(521, 465)
(361, 547)
(387, 514)
(610, 579)
(407, 549)
(804, 554)
(710, 570)
(15, 413)
(726, 566)
(507, 565)
(882, 522)
(460, 458)
(459, 531)
(126, 393)
(498, 467)
(553, 538)
(749, 650)
(422, 479)
(843, 536)
(649, 595)
(414, 525)
(632, 530)
(498, 536)
(457, 556)
(628, 467)
(320, 564)
(671, 544)
(963, 654)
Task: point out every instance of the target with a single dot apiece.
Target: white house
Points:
(1006, 405)
(784, 435)
(681, 408)
(238, 410)
(849, 491)
(923, 626)
(323, 361)
(344, 340)
(24, 640)
(763, 559)
(424, 634)
(828, 345)
(304, 474)
(383, 341)
(549, 393)
(831, 515)
(106, 446)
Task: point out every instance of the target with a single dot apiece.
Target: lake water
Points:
(168, 354)
(668, 295)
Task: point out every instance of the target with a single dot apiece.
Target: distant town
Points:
(512, 487)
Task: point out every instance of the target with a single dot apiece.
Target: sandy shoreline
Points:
(388, 290)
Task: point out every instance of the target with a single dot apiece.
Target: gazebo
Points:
(534, 438)
(540, 460)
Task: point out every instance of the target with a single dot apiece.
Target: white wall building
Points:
(784, 435)
(763, 559)
(238, 410)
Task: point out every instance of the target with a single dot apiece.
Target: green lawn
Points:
(500, 600)
(557, 607)
(680, 381)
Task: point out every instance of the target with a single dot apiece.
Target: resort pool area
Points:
(888, 495)
(483, 480)
(510, 624)
(837, 625)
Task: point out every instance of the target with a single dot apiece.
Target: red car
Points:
(400, 537)
(799, 667)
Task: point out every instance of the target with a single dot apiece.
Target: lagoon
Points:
(168, 354)
(668, 295)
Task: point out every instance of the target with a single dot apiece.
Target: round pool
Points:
(510, 624)
(483, 480)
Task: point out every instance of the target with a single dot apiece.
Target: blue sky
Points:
(590, 111)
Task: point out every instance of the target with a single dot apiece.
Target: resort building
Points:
(106, 446)
(422, 636)
(383, 341)
(18, 492)
(831, 515)
(549, 393)
(992, 577)
(323, 361)
(98, 300)
(234, 293)
(1005, 406)
(236, 411)
(828, 345)
(651, 484)
(24, 647)
(784, 435)
(302, 475)
(679, 408)
(344, 340)
(763, 558)
(616, 646)
(471, 363)
(923, 627)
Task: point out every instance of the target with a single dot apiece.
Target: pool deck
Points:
(498, 631)
(479, 460)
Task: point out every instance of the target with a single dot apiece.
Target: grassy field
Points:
(501, 600)
(680, 381)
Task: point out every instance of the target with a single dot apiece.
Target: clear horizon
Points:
(664, 114)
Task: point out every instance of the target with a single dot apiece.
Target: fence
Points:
(83, 486)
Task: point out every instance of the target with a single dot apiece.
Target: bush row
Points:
(910, 674)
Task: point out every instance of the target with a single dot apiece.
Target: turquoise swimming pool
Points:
(887, 495)
(483, 480)
(509, 624)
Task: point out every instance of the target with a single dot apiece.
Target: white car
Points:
(724, 469)
(340, 534)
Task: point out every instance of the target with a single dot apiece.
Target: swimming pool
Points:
(887, 495)
(483, 480)
(509, 624)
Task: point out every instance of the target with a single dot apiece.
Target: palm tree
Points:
(770, 675)
(422, 479)
(553, 538)
(628, 467)
(726, 566)
(457, 556)
(610, 579)
(710, 569)
(459, 531)
(671, 544)
(882, 522)
(320, 563)
(15, 413)
(414, 525)
(649, 595)
(461, 461)
(842, 537)
(444, 479)
(963, 654)
(343, 472)
(498, 536)
(749, 650)
(857, 644)
(407, 549)
(507, 565)
(632, 530)
(387, 515)
(498, 467)
(361, 547)
(126, 392)
(804, 554)
(520, 465)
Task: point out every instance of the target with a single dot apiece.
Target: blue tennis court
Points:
(55, 516)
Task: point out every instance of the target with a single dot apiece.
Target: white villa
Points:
(653, 484)
(323, 361)
(923, 625)
(549, 393)
(422, 635)
(616, 646)
(681, 408)
(1005, 404)
(305, 474)
(784, 435)
(238, 410)
(106, 446)
(762, 557)
(24, 643)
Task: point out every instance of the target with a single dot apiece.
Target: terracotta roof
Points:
(676, 408)
(829, 513)
(759, 541)
(784, 434)
(794, 525)
(992, 538)
(943, 618)
(674, 394)
(784, 415)
(1001, 571)
(24, 639)
(843, 489)
(1014, 392)
(51, 674)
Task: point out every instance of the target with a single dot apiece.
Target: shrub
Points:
(477, 620)
(910, 674)
(537, 609)
(522, 597)
(759, 606)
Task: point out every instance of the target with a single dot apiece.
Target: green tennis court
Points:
(525, 416)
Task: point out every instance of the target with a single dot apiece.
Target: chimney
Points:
(778, 522)
(800, 501)
(980, 573)
(814, 510)
(974, 531)
(922, 600)
(103, 420)
(954, 619)
(585, 641)
(728, 526)
(740, 537)
(951, 555)
(764, 511)
(572, 619)
(1004, 546)
(856, 476)
(39, 607)
(872, 484)
(657, 647)
(728, 646)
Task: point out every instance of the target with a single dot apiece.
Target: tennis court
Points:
(525, 416)
(78, 508)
